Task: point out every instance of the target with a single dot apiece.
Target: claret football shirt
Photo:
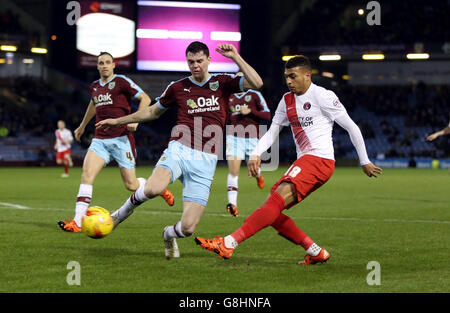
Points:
(112, 99)
(201, 114)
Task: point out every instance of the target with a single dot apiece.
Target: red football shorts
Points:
(63, 155)
(307, 174)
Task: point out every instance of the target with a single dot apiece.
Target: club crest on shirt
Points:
(111, 85)
(248, 98)
(306, 106)
(336, 102)
(214, 86)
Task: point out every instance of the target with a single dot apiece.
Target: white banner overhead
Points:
(399, 73)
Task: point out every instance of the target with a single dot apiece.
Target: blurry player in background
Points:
(246, 112)
(310, 110)
(201, 100)
(63, 141)
(110, 97)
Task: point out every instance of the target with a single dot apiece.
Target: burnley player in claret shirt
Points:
(247, 111)
(191, 156)
(111, 97)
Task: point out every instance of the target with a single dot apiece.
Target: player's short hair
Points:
(298, 61)
(196, 47)
(106, 53)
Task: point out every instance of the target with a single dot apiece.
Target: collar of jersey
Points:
(200, 84)
(243, 93)
(100, 80)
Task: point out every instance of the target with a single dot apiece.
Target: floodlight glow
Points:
(371, 57)
(329, 57)
(8, 48)
(287, 57)
(39, 50)
(417, 56)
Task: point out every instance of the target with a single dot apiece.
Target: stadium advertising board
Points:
(106, 26)
(165, 29)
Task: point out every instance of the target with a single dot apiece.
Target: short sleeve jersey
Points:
(311, 117)
(201, 109)
(112, 99)
(253, 100)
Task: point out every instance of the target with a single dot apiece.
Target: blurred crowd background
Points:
(395, 118)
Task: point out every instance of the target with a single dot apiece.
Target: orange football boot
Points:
(216, 245)
(168, 197)
(69, 226)
(322, 257)
(232, 209)
(260, 181)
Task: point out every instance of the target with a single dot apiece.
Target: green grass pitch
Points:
(400, 220)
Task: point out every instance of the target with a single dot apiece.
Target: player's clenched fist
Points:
(227, 50)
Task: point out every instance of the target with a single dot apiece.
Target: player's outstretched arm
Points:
(442, 132)
(144, 102)
(252, 80)
(146, 114)
(90, 113)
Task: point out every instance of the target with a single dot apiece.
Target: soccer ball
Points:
(97, 223)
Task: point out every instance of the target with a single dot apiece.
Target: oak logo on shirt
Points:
(237, 108)
(103, 99)
(203, 104)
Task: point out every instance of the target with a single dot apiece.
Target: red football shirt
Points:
(202, 109)
(112, 99)
(253, 100)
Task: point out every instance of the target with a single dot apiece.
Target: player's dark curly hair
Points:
(298, 61)
(196, 47)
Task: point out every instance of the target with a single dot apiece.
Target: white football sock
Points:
(232, 187)
(173, 231)
(259, 173)
(83, 200)
(141, 181)
(313, 250)
(132, 202)
(230, 242)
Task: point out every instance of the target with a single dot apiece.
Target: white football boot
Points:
(170, 247)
